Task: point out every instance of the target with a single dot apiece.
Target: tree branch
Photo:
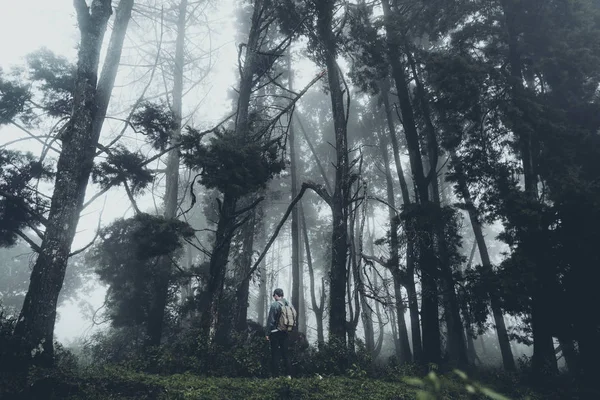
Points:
(31, 243)
(87, 246)
(281, 223)
(314, 153)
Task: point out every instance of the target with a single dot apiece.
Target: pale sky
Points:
(26, 26)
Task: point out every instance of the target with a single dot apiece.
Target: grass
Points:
(120, 383)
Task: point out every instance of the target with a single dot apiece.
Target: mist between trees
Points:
(420, 177)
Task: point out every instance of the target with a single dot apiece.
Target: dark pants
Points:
(279, 348)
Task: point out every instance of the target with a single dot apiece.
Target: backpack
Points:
(287, 317)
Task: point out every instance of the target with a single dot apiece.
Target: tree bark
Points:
(393, 263)
(503, 340)
(409, 282)
(317, 307)
(262, 291)
(339, 203)
(243, 290)
(35, 327)
(218, 264)
(456, 344)
(429, 303)
(160, 297)
(297, 289)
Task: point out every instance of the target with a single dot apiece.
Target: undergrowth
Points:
(115, 382)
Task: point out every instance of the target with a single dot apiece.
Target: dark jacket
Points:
(274, 312)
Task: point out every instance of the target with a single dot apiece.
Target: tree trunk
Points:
(296, 267)
(394, 263)
(35, 327)
(379, 344)
(429, 303)
(317, 308)
(456, 344)
(218, 265)
(405, 353)
(367, 321)
(262, 291)
(339, 203)
(157, 309)
(413, 305)
(355, 263)
(243, 290)
(503, 340)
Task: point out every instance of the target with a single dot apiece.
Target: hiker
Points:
(281, 321)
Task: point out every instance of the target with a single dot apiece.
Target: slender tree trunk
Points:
(405, 353)
(296, 267)
(394, 262)
(381, 325)
(243, 290)
(35, 327)
(504, 342)
(262, 291)
(429, 291)
(413, 305)
(160, 296)
(355, 263)
(456, 345)
(350, 327)
(317, 308)
(339, 203)
(367, 320)
(218, 264)
(468, 330)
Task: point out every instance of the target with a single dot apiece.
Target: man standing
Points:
(278, 326)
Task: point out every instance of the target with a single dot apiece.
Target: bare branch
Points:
(281, 223)
(315, 156)
(87, 246)
(31, 243)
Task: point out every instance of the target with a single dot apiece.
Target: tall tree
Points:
(297, 270)
(393, 263)
(429, 305)
(171, 200)
(503, 340)
(35, 327)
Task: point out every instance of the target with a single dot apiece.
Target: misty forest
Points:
(420, 177)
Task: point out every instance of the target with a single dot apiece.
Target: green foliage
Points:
(234, 164)
(123, 166)
(156, 121)
(13, 98)
(126, 258)
(367, 49)
(434, 387)
(20, 202)
(114, 382)
(54, 76)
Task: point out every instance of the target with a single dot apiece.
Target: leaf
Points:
(492, 394)
(461, 374)
(414, 382)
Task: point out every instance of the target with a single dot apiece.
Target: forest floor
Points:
(120, 383)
